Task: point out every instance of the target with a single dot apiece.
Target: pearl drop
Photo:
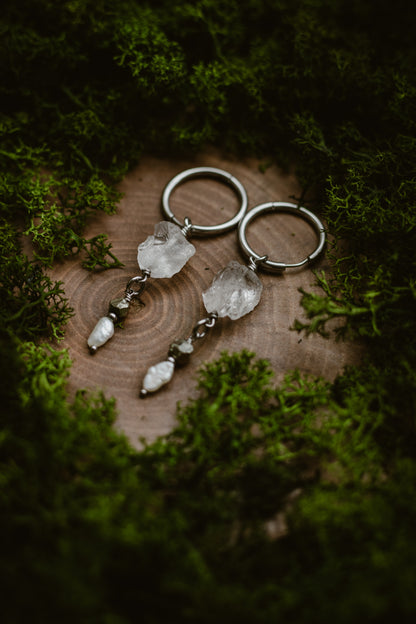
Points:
(102, 332)
(158, 375)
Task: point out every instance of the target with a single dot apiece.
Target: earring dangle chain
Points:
(166, 252)
(234, 292)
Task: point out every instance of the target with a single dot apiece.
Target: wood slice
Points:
(169, 308)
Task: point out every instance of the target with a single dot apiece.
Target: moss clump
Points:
(177, 532)
(263, 503)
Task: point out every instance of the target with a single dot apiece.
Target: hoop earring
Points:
(167, 251)
(234, 292)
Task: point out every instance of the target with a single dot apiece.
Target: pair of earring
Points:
(235, 290)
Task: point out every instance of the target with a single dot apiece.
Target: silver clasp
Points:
(138, 279)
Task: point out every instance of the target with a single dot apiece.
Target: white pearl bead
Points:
(102, 332)
(158, 375)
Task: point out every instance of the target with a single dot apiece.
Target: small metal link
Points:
(129, 293)
(187, 228)
(203, 326)
(253, 262)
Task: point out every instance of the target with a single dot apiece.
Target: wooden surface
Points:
(172, 306)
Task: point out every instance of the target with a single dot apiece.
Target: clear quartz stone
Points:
(166, 251)
(234, 292)
(102, 332)
(158, 375)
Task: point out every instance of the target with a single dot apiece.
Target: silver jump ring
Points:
(261, 260)
(141, 281)
(201, 328)
(206, 172)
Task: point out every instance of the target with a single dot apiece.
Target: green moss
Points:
(181, 529)
(97, 532)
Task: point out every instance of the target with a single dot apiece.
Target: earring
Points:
(167, 251)
(234, 292)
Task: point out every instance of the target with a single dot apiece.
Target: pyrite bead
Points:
(181, 351)
(119, 307)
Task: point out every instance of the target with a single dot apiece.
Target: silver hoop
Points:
(203, 172)
(261, 260)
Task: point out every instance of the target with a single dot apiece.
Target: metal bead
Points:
(181, 351)
(119, 307)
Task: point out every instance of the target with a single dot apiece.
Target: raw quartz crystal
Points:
(166, 251)
(234, 292)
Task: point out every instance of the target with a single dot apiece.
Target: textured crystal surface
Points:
(165, 252)
(102, 332)
(234, 292)
(181, 351)
(119, 307)
(158, 375)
